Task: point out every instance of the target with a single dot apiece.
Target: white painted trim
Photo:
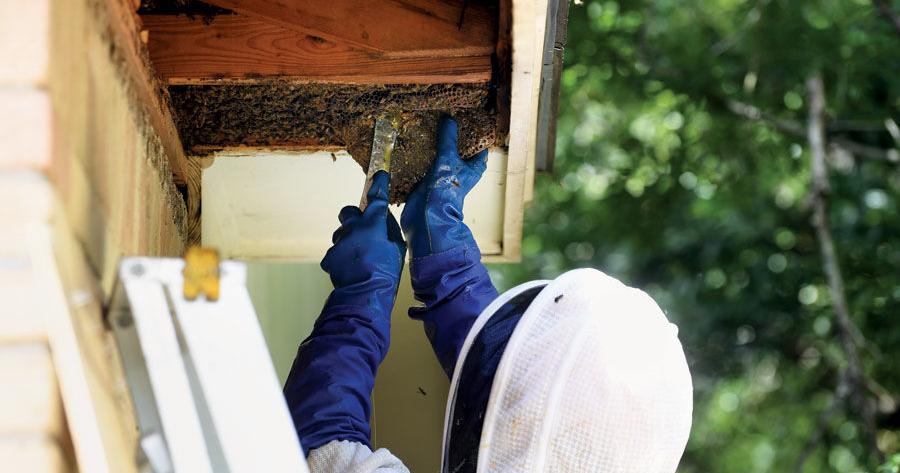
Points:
(529, 18)
(82, 412)
(284, 206)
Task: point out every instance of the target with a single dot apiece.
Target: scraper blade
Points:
(382, 146)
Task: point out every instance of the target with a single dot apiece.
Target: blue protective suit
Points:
(445, 265)
(330, 384)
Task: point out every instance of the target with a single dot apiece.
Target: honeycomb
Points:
(190, 8)
(282, 114)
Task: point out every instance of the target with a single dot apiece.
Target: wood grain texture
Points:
(503, 64)
(242, 49)
(112, 193)
(124, 25)
(98, 411)
(111, 164)
(392, 28)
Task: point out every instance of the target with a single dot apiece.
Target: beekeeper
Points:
(577, 374)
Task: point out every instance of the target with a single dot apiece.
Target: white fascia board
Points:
(284, 205)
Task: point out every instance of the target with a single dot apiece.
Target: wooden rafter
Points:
(240, 48)
(388, 28)
(125, 27)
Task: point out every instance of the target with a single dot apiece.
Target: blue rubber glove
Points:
(329, 388)
(432, 218)
(446, 270)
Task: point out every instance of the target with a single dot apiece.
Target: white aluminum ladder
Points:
(205, 393)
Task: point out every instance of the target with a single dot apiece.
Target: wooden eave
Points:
(514, 45)
(344, 41)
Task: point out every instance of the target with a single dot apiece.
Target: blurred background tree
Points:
(689, 133)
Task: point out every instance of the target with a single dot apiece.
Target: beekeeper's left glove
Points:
(330, 385)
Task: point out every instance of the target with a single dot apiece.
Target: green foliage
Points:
(658, 183)
(891, 466)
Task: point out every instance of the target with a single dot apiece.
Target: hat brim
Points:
(476, 329)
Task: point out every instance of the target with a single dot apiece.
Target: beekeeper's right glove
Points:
(445, 267)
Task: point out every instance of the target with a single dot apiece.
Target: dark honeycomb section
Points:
(281, 114)
(180, 7)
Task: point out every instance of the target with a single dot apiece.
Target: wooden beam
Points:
(125, 28)
(503, 66)
(392, 28)
(242, 49)
(111, 165)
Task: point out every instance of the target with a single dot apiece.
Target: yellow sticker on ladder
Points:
(201, 273)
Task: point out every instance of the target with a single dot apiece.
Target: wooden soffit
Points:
(346, 41)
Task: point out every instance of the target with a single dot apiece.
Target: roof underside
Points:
(313, 74)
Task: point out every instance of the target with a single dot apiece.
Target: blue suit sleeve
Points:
(330, 384)
(455, 287)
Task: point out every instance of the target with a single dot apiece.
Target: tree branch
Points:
(815, 135)
(889, 14)
(751, 112)
(870, 152)
(796, 128)
(848, 333)
(838, 125)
